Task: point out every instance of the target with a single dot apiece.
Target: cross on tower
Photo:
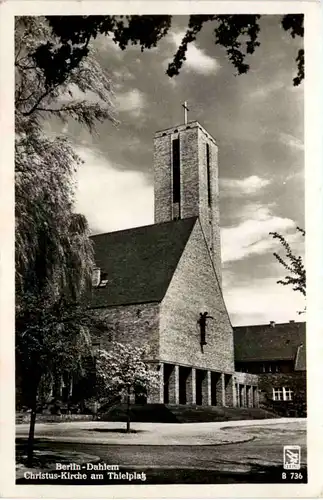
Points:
(185, 111)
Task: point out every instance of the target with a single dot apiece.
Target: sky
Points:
(257, 121)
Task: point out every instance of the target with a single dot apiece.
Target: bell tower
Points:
(186, 180)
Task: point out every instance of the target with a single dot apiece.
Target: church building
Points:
(161, 284)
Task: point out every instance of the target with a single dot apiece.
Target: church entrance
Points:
(167, 373)
(201, 387)
(140, 399)
(184, 372)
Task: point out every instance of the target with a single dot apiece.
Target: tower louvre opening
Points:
(176, 171)
(186, 181)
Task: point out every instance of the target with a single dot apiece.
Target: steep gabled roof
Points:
(139, 263)
(266, 342)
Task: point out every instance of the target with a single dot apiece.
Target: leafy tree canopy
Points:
(123, 367)
(292, 263)
(53, 251)
(54, 257)
(237, 34)
(122, 370)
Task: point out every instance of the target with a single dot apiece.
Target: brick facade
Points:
(135, 324)
(194, 289)
(193, 182)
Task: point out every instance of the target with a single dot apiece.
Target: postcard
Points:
(161, 332)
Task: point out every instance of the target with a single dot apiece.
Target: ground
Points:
(212, 452)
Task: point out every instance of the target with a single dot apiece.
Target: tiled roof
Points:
(139, 263)
(268, 343)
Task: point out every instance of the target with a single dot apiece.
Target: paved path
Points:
(201, 433)
(244, 451)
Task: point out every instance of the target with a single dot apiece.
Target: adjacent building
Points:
(276, 353)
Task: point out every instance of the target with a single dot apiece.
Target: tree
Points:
(123, 370)
(292, 263)
(51, 339)
(50, 239)
(237, 34)
(54, 256)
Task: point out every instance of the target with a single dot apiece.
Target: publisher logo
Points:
(292, 457)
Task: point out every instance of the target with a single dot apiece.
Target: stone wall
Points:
(210, 215)
(163, 178)
(246, 378)
(24, 418)
(194, 288)
(136, 324)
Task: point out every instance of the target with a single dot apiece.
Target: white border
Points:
(314, 246)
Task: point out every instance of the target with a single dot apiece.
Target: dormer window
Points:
(99, 278)
(103, 283)
(96, 277)
(104, 280)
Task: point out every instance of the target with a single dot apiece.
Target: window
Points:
(176, 171)
(282, 394)
(278, 394)
(208, 174)
(288, 394)
(99, 278)
(104, 280)
(103, 283)
(267, 367)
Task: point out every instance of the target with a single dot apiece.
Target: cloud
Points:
(196, 58)
(255, 211)
(291, 141)
(251, 236)
(131, 101)
(265, 90)
(105, 43)
(122, 77)
(261, 301)
(241, 187)
(112, 199)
